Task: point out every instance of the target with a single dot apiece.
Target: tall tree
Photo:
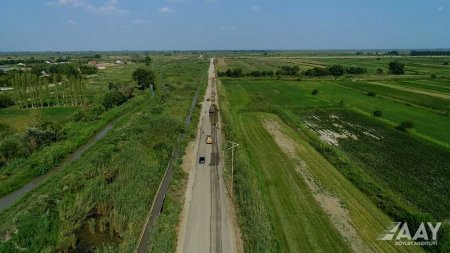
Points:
(143, 77)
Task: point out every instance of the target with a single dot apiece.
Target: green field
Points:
(262, 93)
(100, 201)
(377, 172)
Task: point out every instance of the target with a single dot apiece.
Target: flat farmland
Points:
(322, 134)
(262, 93)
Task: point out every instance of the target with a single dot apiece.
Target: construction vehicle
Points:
(212, 109)
(209, 139)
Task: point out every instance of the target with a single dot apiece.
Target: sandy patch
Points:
(332, 137)
(332, 205)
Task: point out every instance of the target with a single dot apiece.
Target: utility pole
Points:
(233, 145)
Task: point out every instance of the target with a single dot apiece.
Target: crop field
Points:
(428, 123)
(376, 172)
(423, 66)
(100, 201)
(19, 119)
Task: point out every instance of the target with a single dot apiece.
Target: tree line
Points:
(31, 91)
(287, 70)
(395, 68)
(430, 53)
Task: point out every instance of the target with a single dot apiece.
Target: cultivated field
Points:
(340, 145)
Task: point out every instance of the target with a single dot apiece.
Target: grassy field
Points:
(377, 172)
(291, 94)
(19, 119)
(99, 202)
(299, 223)
(414, 65)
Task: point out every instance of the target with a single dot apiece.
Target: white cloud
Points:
(109, 7)
(71, 22)
(440, 8)
(256, 8)
(166, 9)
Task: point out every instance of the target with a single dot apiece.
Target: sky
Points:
(104, 25)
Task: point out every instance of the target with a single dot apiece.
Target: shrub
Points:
(5, 130)
(433, 76)
(6, 100)
(90, 114)
(288, 70)
(42, 133)
(88, 70)
(356, 70)
(317, 71)
(11, 147)
(377, 113)
(396, 68)
(113, 98)
(371, 94)
(336, 70)
(405, 125)
(315, 92)
(379, 71)
(143, 77)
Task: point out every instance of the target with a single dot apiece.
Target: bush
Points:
(113, 98)
(126, 89)
(143, 77)
(433, 76)
(336, 70)
(405, 125)
(317, 71)
(371, 94)
(288, 70)
(11, 147)
(88, 70)
(380, 71)
(396, 68)
(88, 115)
(6, 101)
(315, 92)
(356, 70)
(377, 113)
(42, 133)
(5, 130)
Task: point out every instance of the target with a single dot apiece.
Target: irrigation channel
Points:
(160, 196)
